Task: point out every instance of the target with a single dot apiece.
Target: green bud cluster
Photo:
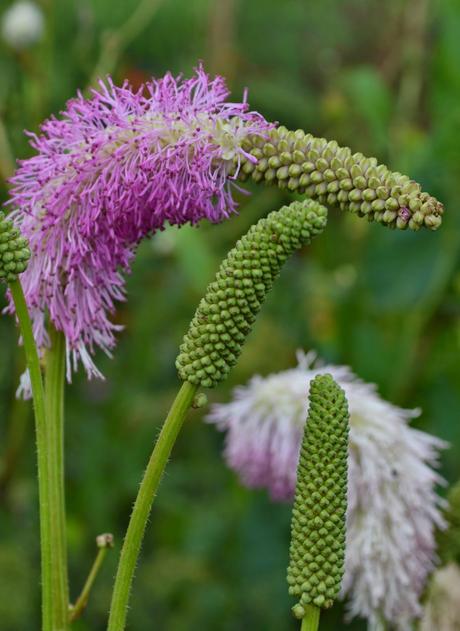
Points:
(334, 176)
(317, 550)
(225, 315)
(14, 251)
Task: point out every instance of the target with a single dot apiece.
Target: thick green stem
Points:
(132, 543)
(310, 622)
(33, 365)
(54, 398)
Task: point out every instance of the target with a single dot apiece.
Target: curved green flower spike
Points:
(317, 550)
(225, 315)
(14, 251)
(334, 176)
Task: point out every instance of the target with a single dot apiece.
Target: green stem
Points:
(310, 622)
(149, 485)
(33, 365)
(54, 400)
(81, 602)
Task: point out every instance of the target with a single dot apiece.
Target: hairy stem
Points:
(54, 399)
(310, 622)
(33, 365)
(149, 485)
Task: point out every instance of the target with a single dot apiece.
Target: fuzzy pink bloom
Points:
(113, 169)
(393, 508)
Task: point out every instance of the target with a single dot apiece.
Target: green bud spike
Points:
(225, 315)
(334, 176)
(14, 251)
(317, 550)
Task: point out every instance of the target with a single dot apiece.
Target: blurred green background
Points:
(382, 77)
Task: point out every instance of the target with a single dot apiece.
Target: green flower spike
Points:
(14, 251)
(334, 176)
(225, 315)
(317, 548)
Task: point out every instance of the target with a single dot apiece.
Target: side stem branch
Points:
(104, 543)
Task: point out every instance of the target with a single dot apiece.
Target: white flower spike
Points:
(393, 508)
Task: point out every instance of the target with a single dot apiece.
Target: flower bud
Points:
(105, 540)
(225, 315)
(317, 551)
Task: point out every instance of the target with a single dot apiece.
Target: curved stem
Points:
(33, 366)
(133, 540)
(310, 622)
(54, 401)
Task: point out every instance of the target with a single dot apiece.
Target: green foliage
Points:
(385, 302)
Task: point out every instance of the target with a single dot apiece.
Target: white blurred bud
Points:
(22, 24)
(442, 608)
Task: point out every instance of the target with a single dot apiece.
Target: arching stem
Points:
(141, 511)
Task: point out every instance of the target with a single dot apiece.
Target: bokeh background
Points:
(382, 77)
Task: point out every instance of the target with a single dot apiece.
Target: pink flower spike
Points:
(113, 169)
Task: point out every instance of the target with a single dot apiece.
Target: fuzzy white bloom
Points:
(442, 609)
(393, 508)
(22, 24)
